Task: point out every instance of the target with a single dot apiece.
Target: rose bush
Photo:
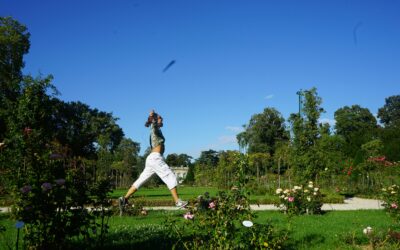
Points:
(391, 198)
(56, 199)
(300, 199)
(225, 221)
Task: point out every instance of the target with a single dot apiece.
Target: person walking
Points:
(155, 164)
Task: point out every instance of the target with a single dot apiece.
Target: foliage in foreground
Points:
(225, 221)
(391, 198)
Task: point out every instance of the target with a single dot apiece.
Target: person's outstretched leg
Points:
(144, 176)
(178, 202)
(130, 192)
(174, 193)
(161, 168)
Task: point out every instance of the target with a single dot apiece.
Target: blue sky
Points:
(233, 59)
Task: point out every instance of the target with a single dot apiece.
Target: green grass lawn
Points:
(162, 196)
(333, 230)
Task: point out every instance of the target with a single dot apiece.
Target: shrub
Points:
(55, 199)
(225, 221)
(300, 200)
(391, 198)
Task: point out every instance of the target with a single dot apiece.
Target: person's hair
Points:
(150, 119)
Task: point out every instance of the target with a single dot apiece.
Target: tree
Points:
(208, 158)
(225, 174)
(82, 128)
(14, 44)
(357, 126)
(259, 163)
(125, 162)
(389, 114)
(172, 160)
(306, 132)
(264, 132)
(205, 167)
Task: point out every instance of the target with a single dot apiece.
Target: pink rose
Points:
(291, 199)
(211, 205)
(188, 216)
(394, 206)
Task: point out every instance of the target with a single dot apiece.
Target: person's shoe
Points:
(181, 204)
(122, 202)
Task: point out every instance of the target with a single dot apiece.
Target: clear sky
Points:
(233, 58)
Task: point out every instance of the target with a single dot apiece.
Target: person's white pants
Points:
(155, 164)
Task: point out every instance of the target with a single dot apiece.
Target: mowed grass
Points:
(332, 230)
(162, 192)
(162, 196)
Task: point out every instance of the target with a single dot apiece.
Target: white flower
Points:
(316, 189)
(393, 192)
(286, 198)
(279, 190)
(326, 169)
(297, 187)
(286, 191)
(384, 189)
(306, 190)
(282, 196)
(310, 185)
(247, 223)
(309, 198)
(315, 193)
(368, 230)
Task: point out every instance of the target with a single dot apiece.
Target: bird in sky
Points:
(168, 66)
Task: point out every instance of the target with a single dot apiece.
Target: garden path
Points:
(349, 204)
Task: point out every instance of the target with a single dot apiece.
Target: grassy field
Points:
(162, 196)
(333, 230)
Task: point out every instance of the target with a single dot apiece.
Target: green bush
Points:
(391, 198)
(55, 201)
(225, 221)
(300, 200)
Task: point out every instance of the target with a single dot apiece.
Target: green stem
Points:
(16, 244)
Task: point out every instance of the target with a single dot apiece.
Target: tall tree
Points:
(389, 114)
(264, 132)
(208, 158)
(306, 132)
(126, 157)
(14, 44)
(357, 126)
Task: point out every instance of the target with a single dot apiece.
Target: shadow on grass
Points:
(149, 237)
(306, 242)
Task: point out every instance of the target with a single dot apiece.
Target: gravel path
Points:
(349, 204)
